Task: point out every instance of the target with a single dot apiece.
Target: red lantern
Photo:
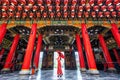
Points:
(108, 2)
(4, 8)
(65, 2)
(100, 14)
(11, 8)
(107, 14)
(110, 8)
(39, 2)
(18, 15)
(114, 14)
(48, 2)
(27, 8)
(30, 2)
(91, 2)
(22, 2)
(93, 14)
(57, 8)
(19, 8)
(24, 15)
(100, 2)
(80, 8)
(5, 2)
(103, 8)
(79, 14)
(74, 2)
(14, 2)
(50, 8)
(11, 14)
(96, 8)
(58, 14)
(57, 2)
(38, 15)
(83, 2)
(31, 15)
(72, 8)
(42, 8)
(86, 14)
(51, 14)
(4, 14)
(118, 14)
(118, 8)
(116, 2)
(35, 8)
(65, 8)
(44, 14)
(87, 7)
(72, 14)
(65, 14)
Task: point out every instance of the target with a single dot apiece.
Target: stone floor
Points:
(69, 75)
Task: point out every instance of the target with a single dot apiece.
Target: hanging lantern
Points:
(79, 14)
(100, 2)
(24, 15)
(100, 14)
(110, 8)
(35, 8)
(11, 14)
(74, 2)
(18, 15)
(118, 8)
(86, 14)
(103, 8)
(96, 8)
(91, 2)
(50, 8)
(72, 8)
(48, 2)
(31, 15)
(27, 8)
(72, 14)
(65, 8)
(14, 2)
(51, 14)
(93, 14)
(30, 2)
(57, 8)
(4, 15)
(4, 8)
(83, 2)
(107, 14)
(22, 2)
(11, 8)
(87, 7)
(80, 8)
(113, 14)
(108, 2)
(58, 14)
(5, 2)
(118, 14)
(116, 2)
(44, 14)
(19, 8)
(65, 14)
(38, 15)
(39, 2)
(57, 2)
(65, 2)
(42, 8)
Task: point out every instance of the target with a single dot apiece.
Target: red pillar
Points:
(115, 33)
(117, 56)
(37, 53)
(88, 50)
(1, 53)
(11, 53)
(28, 55)
(106, 53)
(80, 52)
(2, 31)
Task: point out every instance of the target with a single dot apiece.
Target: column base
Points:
(83, 69)
(93, 71)
(24, 71)
(111, 69)
(5, 69)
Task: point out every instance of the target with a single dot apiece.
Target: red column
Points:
(117, 56)
(80, 52)
(28, 55)
(2, 31)
(88, 50)
(37, 53)
(1, 53)
(106, 53)
(11, 53)
(115, 33)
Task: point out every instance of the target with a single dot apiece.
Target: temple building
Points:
(59, 39)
